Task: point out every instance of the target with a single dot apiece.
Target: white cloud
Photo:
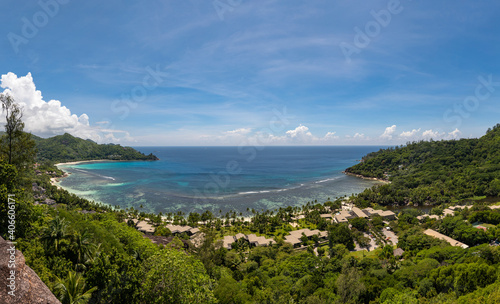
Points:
(389, 131)
(428, 134)
(409, 134)
(241, 131)
(359, 136)
(51, 118)
(299, 132)
(331, 135)
(455, 134)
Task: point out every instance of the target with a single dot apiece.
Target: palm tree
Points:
(56, 231)
(72, 290)
(82, 246)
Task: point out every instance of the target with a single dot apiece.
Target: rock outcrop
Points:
(29, 289)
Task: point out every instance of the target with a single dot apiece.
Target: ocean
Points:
(220, 179)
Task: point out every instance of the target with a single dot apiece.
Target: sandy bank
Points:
(56, 180)
(367, 178)
(83, 161)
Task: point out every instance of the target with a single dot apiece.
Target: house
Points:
(448, 212)
(227, 241)
(438, 235)
(388, 215)
(259, 240)
(422, 217)
(295, 236)
(145, 227)
(292, 239)
(193, 231)
(347, 206)
(385, 214)
(298, 217)
(240, 236)
(359, 213)
(343, 216)
(176, 229)
(398, 252)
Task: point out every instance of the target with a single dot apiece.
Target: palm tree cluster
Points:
(79, 246)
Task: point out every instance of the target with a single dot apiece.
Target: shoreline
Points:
(263, 199)
(54, 181)
(83, 161)
(367, 178)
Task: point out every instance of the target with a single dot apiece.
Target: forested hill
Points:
(63, 148)
(434, 172)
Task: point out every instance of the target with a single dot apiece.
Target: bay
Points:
(220, 179)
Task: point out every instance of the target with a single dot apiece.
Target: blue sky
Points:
(240, 72)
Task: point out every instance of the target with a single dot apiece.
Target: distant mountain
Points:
(64, 148)
(434, 172)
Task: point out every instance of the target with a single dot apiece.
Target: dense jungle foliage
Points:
(433, 172)
(65, 148)
(90, 253)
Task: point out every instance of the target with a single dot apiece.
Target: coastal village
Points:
(299, 238)
(193, 236)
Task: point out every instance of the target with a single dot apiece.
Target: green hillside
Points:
(434, 172)
(63, 148)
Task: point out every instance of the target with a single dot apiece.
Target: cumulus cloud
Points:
(302, 135)
(359, 136)
(50, 118)
(389, 131)
(331, 135)
(409, 134)
(297, 136)
(299, 132)
(428, 134)
(241, 131)
(454, 134)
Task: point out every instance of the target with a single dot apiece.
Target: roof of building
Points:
(398, 252)
(343, 216)
(387, 213)
(448, 212)
(181, 229)
(359, 212)
(438, 235)
(145, 227)
(239, 236)
(421, 217)
(259, 240)
(227, 241)
(369, 210)
(292, 239)
(295, 235)
(327, 215)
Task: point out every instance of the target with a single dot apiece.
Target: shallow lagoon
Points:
(220, 178)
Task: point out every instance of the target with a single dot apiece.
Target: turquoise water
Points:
(220, 178)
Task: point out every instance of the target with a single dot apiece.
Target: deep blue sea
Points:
(220, 178)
